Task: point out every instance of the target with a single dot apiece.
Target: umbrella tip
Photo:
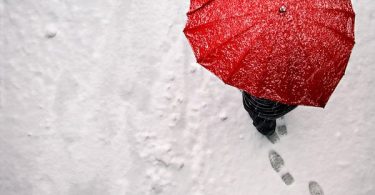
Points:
(282, 9)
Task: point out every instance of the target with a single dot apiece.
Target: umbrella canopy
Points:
(290, 51)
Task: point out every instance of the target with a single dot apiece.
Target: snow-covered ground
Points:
(104, 97)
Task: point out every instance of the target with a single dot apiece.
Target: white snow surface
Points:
(104, 97)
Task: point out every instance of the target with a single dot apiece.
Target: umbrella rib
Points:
(237, 67)
(349, 39)
(329, 52)
(307, 55)
(348, 13)
(228, 40)
(216, 21)
(201, 7)
(309, 58)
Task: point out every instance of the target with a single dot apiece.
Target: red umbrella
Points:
(291, 51)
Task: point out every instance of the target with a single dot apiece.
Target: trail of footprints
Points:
(278, 163)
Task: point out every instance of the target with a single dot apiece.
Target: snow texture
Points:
(104, 97)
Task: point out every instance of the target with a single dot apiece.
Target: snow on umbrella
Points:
(290, 51)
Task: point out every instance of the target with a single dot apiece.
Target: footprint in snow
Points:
(281, 130)
(277, 163)
(315, 188)
(281, 127)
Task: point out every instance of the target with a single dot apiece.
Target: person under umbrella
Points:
(280, 54)
(264, 112)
